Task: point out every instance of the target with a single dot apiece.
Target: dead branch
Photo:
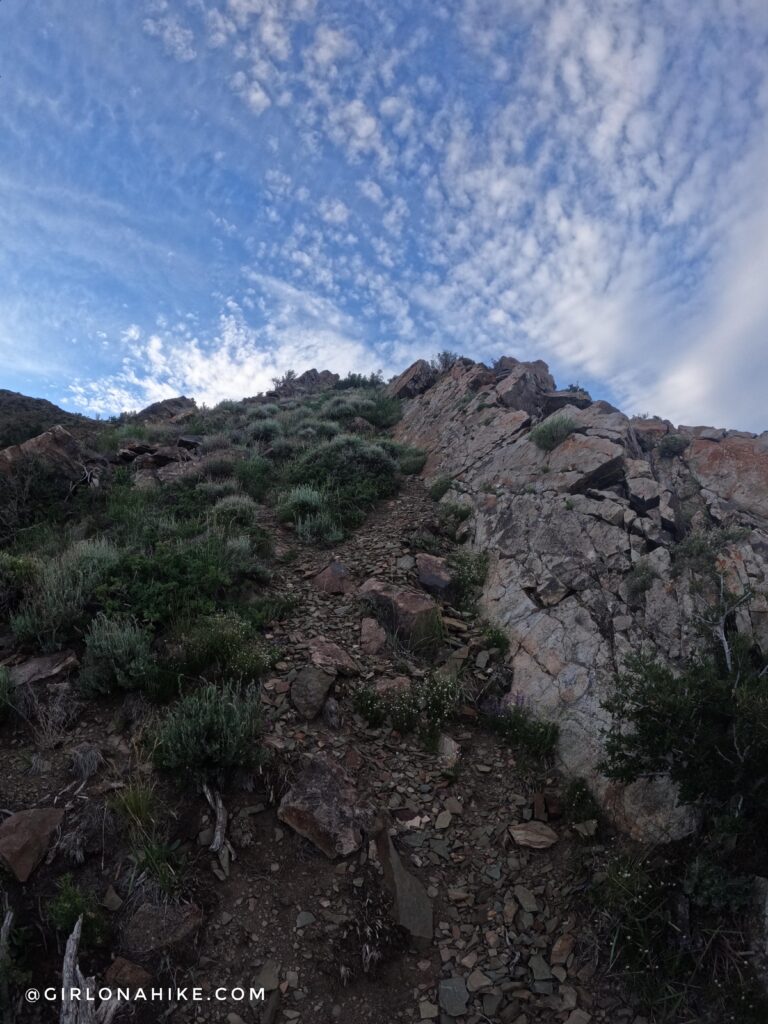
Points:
(217, 806)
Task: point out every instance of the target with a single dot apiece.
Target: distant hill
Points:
(22, 417)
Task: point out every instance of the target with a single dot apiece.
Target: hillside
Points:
(22, 417)
(325, 691)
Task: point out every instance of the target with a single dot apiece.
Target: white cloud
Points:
(333, 211)
(178, 41)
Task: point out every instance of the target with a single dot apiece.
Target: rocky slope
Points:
(589, 563)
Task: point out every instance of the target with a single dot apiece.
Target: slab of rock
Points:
(434, 574)
(48, 666)
(525, 386)
(588, 462)
(309, 690)
(324, 806)
(412, 906)
(453, 996)
(534, 834)
(735, 469)
(56, 447)
(24, 839)
(327, 655)
(334, 579)
(411, 616)
(373, 637)
(152, 929)
(417, 379)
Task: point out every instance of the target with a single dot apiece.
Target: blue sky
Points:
(196, 196)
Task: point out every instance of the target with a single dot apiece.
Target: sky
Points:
(197, 195)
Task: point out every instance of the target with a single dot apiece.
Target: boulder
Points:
(417, 379)
(434, 574)
(412, 907)
(327, 655)
(334, 579)
(168, 409)
(554, 401)
(58, 449)
(47, 666)
(373, 637)
(524, 387)
(588, 462)
(411, 616)
(323, 805)
(154, 929)
(24, 839)
(309, 690)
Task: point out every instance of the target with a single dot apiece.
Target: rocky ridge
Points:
(572, 531)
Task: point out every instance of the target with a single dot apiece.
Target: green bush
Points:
(301, 501)
(469, 570)
(495, 637)
(671, 445)
(705, 726)
(322, 528)
(176, 578)
(265, 430)
(118, 656)
(425, 707)
(215, 443)
(70, 903)
(34, 492)
(17, 574)
(235, 510)
(450, 516)
(383, 411)
(348, 461)
(254, 476)
(210, 734)
(215, 489)
(263, 412)
(440, 487)
(516, 725)
(639, 580)
(63, 587)
(225, 645)
(409, 460)
(218, 466)
(699, 551)
(552, 432)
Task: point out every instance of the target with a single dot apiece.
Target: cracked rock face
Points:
(566, 531)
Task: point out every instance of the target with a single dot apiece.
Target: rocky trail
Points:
(470, 848)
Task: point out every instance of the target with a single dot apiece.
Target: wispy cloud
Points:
(579, 181)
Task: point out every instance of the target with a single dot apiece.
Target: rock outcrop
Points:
(567, 530)
(57, 449)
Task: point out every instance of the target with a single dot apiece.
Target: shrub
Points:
(311, 429)
(17, 574)
(496, 638)
(552, 432)
(450, 516)
(254, 476)
(349, 462)
(210, 734)
(225, 644)
(706, 726)
(699, 551)
(410, 460)
(283, 449)
(440, 488)
(469, 570)
(671, 445)
(33, 492)
(215, 443)
(176, 577)
(681, 962)
(118, 656)
(136, 804)
(299, 502)
(359, 380)
(263, 412)
(6, 693)
(235, 510)
(63, 587)
(443, 361)
(265, 430)
(383, 411)
(215, 489)
(515, 724)
(321, 527)
(639, 580)
(270, 608)
(425, 707)
(70, 903)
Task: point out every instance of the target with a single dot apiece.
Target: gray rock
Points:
(453, 995)
(309, 690)
(412, 906)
